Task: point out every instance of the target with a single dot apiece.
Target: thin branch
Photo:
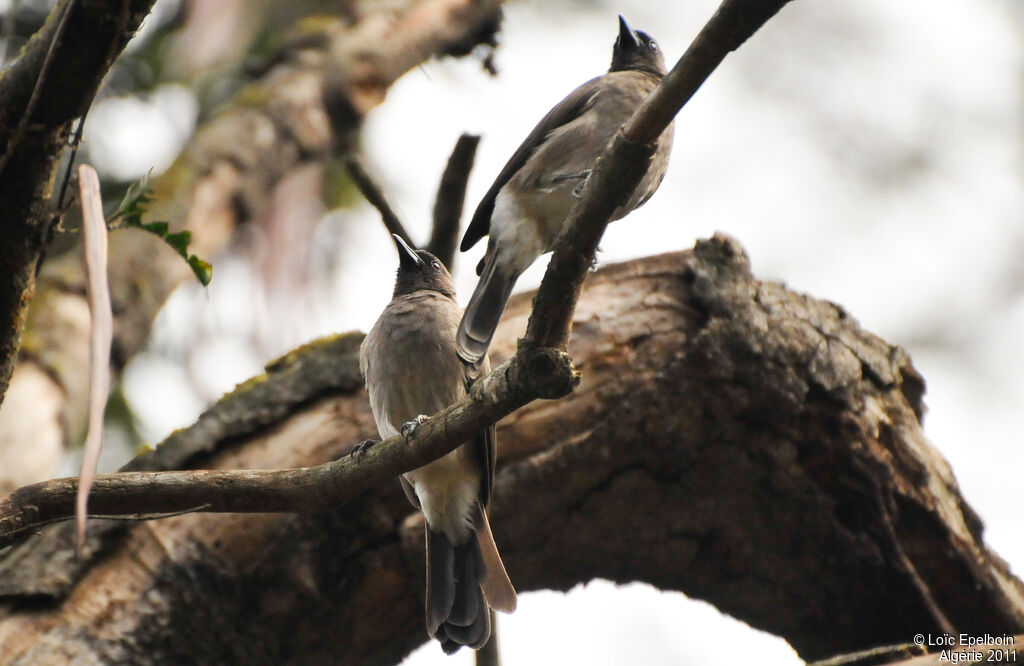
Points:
(625, 162)
(375, 196)
(512, 385)
(451, 196)
(537, 370)
(732, 24)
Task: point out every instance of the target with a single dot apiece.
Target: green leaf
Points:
(133, 207)
(159, 228)
(179, 241)
(133, 203)
(203, 270)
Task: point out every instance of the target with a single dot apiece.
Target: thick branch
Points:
(744, 433)
(225, 176)
(52, 82)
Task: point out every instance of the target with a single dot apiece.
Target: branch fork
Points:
(541, 368)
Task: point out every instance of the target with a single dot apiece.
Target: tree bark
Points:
(731, 439)
(303, 110)
(52, 83)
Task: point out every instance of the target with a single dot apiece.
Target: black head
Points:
(418, 270)
(636, 50)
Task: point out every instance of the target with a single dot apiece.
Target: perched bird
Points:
(411, 368)
(531, 198)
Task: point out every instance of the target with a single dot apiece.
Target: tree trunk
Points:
(730, 439)
(302, 111)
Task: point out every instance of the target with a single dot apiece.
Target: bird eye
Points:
(654, 47)
(435, 265)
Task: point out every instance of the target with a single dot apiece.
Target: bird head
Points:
(418, 270)
(636, 50)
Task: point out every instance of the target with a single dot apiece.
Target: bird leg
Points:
(409, 427)
(577, 192)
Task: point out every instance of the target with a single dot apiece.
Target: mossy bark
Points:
(734, 440)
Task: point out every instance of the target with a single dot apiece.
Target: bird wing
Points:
(563, 113)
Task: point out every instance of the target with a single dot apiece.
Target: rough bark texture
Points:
(304, 108)
(52, 83)
(731, 439)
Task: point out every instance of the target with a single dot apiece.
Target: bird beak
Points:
(406, 255)
(626, 34)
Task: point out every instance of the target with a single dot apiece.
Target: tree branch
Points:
(535, 372)
(451, 196)
(222, 178)
(40, 103)
(625, 161)
(742, 432)
(515, 383)
(375, 196)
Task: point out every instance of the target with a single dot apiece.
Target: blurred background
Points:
(868, 153)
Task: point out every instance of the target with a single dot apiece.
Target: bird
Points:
(411, 368)
(529, 201)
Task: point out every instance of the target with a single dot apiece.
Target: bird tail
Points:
(484, 310)
(457, 613)
(463, 580)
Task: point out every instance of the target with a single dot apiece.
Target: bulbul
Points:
(529, 201)
(411, 368)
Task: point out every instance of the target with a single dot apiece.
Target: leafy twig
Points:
(130, 211)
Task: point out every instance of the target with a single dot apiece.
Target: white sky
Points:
(869, 153)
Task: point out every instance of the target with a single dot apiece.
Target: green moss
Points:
(174, 436)
(254, 96)
(309, 26)
(331, 344)
(246, 386)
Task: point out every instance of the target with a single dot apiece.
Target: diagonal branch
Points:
(372, 192)
(509, 387)
(537, 370)
(625, 162)
(222, 178)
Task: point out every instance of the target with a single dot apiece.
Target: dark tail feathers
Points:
(457, 614)
(484, 311)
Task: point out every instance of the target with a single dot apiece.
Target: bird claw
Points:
(359, 449)
(577, 192)
(409, 427)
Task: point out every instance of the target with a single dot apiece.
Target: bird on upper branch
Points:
(526, 206)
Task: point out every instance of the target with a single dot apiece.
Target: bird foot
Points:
(359, 449)
(577, 192)
(409, 427)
